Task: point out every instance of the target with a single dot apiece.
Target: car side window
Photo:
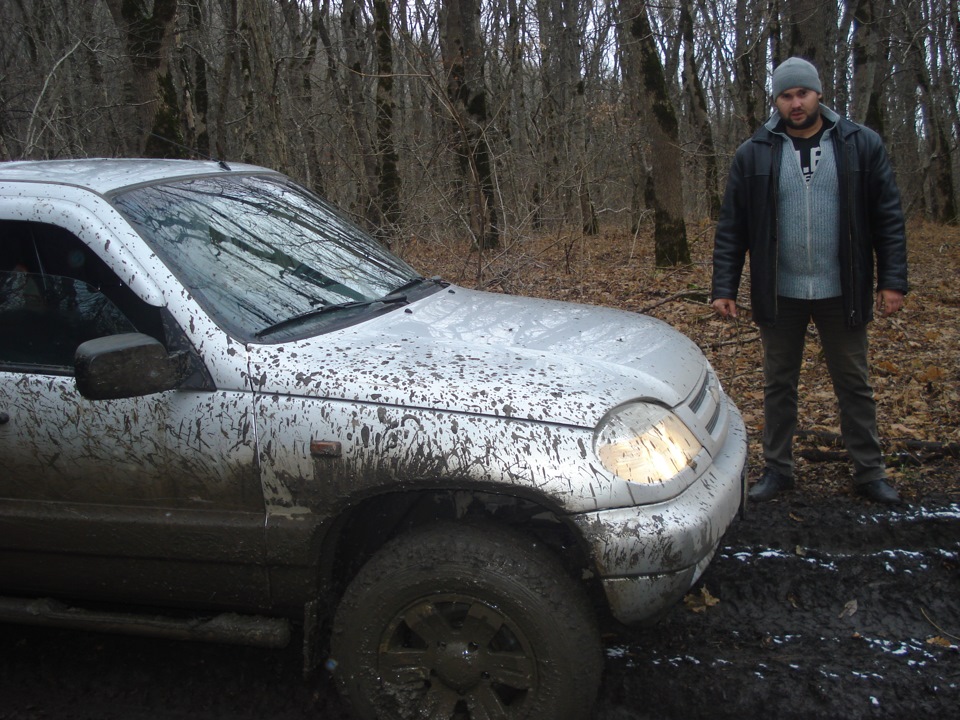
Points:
(55, 294)
(44, 318)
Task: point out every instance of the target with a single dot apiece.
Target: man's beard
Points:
(804, 124)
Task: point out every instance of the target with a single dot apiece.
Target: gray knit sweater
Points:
(809, 226)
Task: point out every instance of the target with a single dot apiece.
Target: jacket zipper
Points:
(775, 160)
(848, 155)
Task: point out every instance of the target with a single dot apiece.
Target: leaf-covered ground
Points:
(914, 357)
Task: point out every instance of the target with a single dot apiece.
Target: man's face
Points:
(799, 108)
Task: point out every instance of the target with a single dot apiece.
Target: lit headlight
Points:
(645, 443)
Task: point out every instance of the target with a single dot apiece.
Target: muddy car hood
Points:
(466, 351)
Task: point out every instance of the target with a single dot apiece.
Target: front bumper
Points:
(648, 556)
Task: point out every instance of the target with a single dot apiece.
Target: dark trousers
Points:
(845, 349)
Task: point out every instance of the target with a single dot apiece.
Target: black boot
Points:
(879, 491)
(769, 486)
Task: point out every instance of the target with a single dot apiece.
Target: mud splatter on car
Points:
(219, 397)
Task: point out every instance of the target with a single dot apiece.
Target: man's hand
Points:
(725, 307)
(889, 302)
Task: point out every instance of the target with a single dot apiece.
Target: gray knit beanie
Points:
(795, 72)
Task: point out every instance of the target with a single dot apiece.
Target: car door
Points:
(150, 499)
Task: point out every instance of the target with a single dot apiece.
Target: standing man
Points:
(811, 196)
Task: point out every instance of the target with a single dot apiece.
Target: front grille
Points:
(703, 411)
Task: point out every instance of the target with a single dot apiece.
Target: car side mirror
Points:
(127, 365)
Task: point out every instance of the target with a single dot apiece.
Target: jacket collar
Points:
(829, 114)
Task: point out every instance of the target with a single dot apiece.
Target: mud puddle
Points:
(810, 610)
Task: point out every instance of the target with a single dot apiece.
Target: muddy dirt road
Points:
(827, 608)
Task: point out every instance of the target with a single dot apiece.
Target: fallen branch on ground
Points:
(900, 449)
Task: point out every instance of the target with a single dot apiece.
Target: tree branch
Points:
(43, 91)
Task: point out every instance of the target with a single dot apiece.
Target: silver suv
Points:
(225, 410)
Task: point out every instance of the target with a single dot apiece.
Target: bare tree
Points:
(699, 113)
(388, 177)
(149, 88)
(563, 133)
(304, 25)
(869, 61)
(663, 191)
(463, 61)
(194, 81)
(356, 32)
(750, 63)
(938, 182)
(488, 119)
(810, 31)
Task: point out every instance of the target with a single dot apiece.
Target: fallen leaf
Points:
(801, 551)
(849, 609)
(885, 366)
(796, 518)
(939, 642)
(699, 603)
(931, 374)
(901, 429)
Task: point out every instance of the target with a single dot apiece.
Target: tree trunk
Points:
(563, 136)
(938, 176)
(868, 54)
(265, 140)
(354, 38)
(463, 63)
(222, 142)
(388, 177)
(149, 88)
(811, 33)
(664, 188)
(750, 67)
(699, 114)
(196, 99)
(304, 25)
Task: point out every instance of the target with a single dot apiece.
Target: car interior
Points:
(56, 293)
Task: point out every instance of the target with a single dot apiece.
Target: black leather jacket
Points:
(871, 221)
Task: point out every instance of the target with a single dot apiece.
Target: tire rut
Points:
(822, 611)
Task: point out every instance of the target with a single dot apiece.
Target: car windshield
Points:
(268, 260)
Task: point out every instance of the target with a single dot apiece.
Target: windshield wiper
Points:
(392, 299)
(410, 284)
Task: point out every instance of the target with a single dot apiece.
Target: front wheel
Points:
(464, 622)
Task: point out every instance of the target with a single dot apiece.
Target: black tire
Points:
(465, 622)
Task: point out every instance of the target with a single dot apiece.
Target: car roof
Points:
(107, 175)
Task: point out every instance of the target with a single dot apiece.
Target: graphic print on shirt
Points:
(808, 152)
